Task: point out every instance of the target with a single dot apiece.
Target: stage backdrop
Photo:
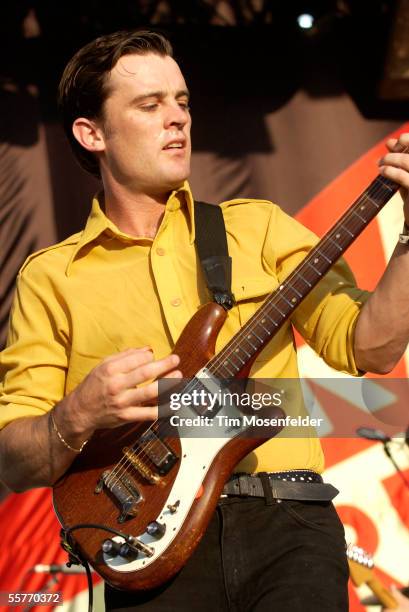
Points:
(373, 503)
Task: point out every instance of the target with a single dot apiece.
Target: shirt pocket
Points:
(250, 293)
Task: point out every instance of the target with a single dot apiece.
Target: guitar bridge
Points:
(124, 489)
(141, 467)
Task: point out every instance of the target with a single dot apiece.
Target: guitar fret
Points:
(270, 319)
(258, 337)
(372, 201)
(278, 310)
(382, 180)
(225, 363)
(314, 268)
(324, 256)
(304, 279)
(336, 243)
(245, 352)
(359, 216)
(297, 292)
(248, 342)
(347, 231)
(268, 332)
(288, 301)
(236, 354)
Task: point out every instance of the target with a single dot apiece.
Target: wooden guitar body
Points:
(182, 500)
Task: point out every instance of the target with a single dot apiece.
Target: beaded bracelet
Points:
(71, 448)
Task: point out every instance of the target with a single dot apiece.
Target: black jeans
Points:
(256, 558)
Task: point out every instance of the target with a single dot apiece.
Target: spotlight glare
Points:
(305, 21)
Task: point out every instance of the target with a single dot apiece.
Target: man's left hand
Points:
(395, 166)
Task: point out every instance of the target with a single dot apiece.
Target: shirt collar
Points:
(98, 222)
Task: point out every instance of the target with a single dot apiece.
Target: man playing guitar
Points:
(95, 320)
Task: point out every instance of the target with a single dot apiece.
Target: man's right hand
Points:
(118, 391)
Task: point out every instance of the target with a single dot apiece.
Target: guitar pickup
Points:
(124, 490)
(160, 454)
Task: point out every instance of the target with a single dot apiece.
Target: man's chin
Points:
(177, 181)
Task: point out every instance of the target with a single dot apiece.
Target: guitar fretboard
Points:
(281, 303)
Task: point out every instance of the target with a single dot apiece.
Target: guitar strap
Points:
(211, 244)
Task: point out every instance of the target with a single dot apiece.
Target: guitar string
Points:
(269, 302)
(124, 462)
(379, 188)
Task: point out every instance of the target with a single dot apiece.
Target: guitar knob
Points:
(110, 547)
(128, 552)
(155, 529)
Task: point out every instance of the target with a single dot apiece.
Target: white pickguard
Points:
(197, 454)
(196, 457)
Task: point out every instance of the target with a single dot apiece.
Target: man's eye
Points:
(149, 107)
(184, 105)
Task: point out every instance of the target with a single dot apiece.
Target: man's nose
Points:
(176, 115)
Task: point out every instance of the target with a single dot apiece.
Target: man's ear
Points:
(88, 134)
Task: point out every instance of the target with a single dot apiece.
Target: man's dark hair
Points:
(84, 86)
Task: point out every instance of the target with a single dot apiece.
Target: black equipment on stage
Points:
(378, 435)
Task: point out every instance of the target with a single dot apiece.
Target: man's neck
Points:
(135, 214)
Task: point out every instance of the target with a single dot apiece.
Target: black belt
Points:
(303, 485)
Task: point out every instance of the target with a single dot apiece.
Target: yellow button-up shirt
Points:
(102, 291)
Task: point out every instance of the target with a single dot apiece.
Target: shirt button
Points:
(160, 251)
(176, 302)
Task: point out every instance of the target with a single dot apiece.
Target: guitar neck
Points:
(384, 595)
(281, 303)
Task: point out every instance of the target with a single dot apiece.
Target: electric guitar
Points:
(135, 504)
(361, 571)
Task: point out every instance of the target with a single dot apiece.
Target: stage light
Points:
(305, 21)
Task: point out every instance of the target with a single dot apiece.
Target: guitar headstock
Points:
(361, 564)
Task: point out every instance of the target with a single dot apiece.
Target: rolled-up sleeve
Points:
(327, 317)
(33, 365)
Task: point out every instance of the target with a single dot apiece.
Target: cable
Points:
(75, 557)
